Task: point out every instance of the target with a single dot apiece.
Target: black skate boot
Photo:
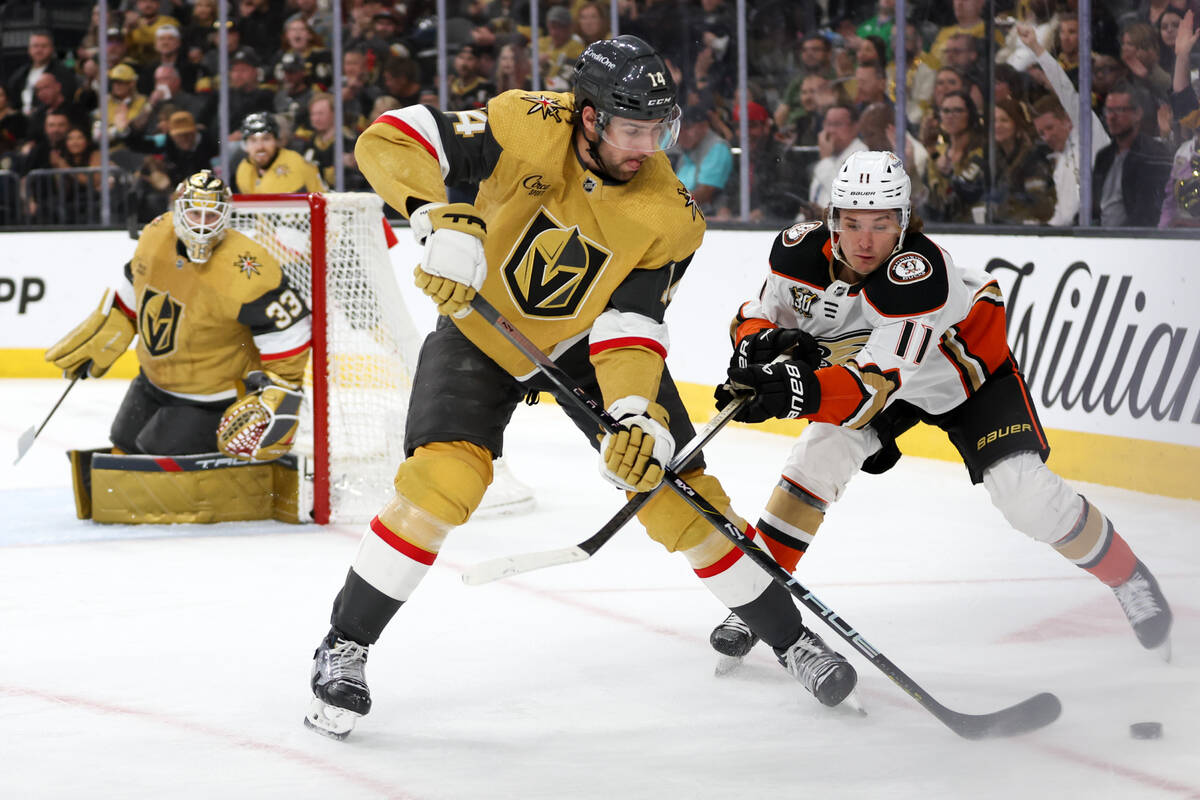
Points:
(824, 672)
(339, 686)
(732, 637)
(1146, 607)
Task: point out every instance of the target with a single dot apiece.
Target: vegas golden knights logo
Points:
(158, 321)
(551, 270)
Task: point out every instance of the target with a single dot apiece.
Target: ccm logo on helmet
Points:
(909, 268)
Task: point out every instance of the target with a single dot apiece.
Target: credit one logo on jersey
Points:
(159, 316)
(552, 268)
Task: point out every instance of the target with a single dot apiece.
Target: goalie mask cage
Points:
(333, 249)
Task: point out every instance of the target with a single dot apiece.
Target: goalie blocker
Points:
(209, 487)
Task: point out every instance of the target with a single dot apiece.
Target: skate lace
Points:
(810, 662)
(1137, 600)
(734, 622)
(346, 660)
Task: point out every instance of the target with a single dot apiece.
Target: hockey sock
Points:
(790, 522)
(360, 611)
(772, 616)
(1093, 545)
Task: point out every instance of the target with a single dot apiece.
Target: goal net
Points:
(333, 248)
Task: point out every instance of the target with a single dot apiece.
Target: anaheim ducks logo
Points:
(159, 317)
(843, 348)
(794, 235)
(552, 268)
(909, 268)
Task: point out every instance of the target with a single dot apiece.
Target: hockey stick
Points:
(28, 437)
(507, 566)
(1028, 715)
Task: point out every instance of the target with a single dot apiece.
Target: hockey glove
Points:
(95, 343)
(763, 347)
(454, 266)
(633, 459)
(786, 390)
(261, 425)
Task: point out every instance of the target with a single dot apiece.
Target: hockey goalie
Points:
(205, 429)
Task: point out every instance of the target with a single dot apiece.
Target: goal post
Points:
(333, 247)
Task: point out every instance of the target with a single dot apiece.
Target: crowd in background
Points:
(992, 130)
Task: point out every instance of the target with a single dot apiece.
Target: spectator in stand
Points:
(1108, 70)
(200, 23)
(36, 152)
(968, 16)
(1056, 120)
(870, 86)
(183, 150)
(124, 103)
(300, 43)
(401, 79)
(512, 68)
(591, 22)
(319, 21)
(468, 88)
(269, 168)
(961, 52)
(871, 51)
(13, 128)
(705, 160)
(387, 36)
(260, 22)
(957, 174)
(920, 77)
(1066, 46)
(558, 50)
(1181, 198)
(1127, 185)
(316, 144)
(815, 59)
(774, 175)
(880, 24)
(1168, 29)
(295, 92)
(1139, 52)
(356, 100)
(168, 46)
(42, 60)
(946, 80)
(50, 97)
(79, 201)
(141, 27)
(1023, 192)
(211, 61)
(838, 139)
(246, 95)
(168, 90)
(817, 95)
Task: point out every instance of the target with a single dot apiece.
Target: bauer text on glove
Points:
(786, 390)
(634, 457)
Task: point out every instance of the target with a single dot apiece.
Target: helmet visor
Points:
(643, 135)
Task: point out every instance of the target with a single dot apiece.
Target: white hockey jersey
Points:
(918, 328)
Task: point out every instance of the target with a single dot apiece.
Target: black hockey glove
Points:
(764, 346)
(786, 390)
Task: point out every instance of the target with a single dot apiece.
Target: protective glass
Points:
(646, 136)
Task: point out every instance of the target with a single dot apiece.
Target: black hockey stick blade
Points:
(1027, 716)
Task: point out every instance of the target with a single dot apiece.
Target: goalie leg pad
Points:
(81, 479)
(445, 479)
(671, 522)
(203, 488)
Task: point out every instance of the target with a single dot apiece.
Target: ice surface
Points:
(172, 661)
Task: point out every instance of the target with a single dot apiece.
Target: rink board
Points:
(1106, 329)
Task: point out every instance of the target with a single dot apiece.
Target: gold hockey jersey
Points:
(288, 172)
(569, 255)
(201, 327)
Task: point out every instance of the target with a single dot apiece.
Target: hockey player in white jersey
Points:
(886, 331)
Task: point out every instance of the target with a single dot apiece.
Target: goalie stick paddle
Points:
(507, 566)
(1028, 715)
(28, 437)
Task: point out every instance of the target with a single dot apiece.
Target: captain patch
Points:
(909, 268)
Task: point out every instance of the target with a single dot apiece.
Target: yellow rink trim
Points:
(1137, 464)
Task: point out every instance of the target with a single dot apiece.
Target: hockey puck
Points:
(1146, 730)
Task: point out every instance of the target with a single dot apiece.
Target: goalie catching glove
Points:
(633, 458)
(786, 390)
(95, 343)
(261, 425)
(454, 266)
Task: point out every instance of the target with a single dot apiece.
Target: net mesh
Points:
(371, 343)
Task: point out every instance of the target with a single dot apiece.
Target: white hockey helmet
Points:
(202, 209)
(870, 180)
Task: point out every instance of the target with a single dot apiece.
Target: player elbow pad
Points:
(95, 343)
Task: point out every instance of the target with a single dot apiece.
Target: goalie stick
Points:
(1028, 715)
(28, 437)
(507, 566)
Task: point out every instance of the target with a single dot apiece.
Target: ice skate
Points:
(733, 639)
(1144, 604)
(823, 671)
(339, 685)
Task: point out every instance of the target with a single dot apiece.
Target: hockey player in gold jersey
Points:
(214, 318)
(270, 168)
(579, 235)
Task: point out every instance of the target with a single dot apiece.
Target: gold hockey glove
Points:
(633, 459)
(454, 265)
(96, 342)
(262, 424)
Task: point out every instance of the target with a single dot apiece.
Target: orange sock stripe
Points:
(1117, 563)
(401, 545)
(787, 557)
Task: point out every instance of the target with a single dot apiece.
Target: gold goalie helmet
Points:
(202, 209)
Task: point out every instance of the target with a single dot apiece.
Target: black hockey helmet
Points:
(259, 122)
(624, 77)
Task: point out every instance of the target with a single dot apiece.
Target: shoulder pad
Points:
(528, 117)
(250, 263)
(912, 282)
(801, 252)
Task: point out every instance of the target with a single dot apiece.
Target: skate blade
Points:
(853, 703)
(331, 721)
(1164, 650)
(727, 665)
